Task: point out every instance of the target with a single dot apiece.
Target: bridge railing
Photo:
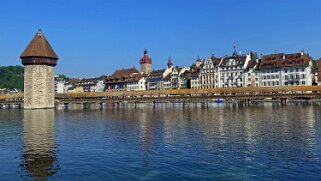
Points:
(11, 98)
(195, 92)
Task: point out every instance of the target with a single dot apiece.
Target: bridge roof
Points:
(39, 47)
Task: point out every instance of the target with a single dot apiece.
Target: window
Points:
(303, 82)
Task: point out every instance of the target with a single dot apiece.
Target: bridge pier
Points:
(284, 101)
(204, 105)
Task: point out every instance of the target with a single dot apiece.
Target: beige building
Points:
(209, 76)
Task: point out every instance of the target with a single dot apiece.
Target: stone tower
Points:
(146, 63)
(39, 60)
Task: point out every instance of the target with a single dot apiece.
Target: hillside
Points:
(11, 77)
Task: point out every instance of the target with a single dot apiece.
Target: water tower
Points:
(39, 60)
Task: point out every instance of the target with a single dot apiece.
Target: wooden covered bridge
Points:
(246, 94)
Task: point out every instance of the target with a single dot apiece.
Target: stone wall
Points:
(38, 86)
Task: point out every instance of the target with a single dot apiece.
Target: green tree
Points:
(11, 77)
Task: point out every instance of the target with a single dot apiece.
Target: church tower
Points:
(145, 63)
(39, 60)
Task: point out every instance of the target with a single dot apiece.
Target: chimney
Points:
(302, 52)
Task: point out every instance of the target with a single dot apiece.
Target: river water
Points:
(162, 142)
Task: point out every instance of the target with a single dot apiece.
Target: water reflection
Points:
(166, 142)
(39, 149)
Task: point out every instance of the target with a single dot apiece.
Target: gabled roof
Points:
(136, 77)
(251, 65)
(124, 72)
(216, 61)
(39, 47)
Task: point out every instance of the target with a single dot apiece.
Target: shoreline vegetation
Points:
(11, 77)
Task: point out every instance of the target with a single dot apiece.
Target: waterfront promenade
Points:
(246, 95)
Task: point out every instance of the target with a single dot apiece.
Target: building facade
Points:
(209, 76)
(231, 70)
(251, 74)
(286, 69)
(137, 82)
(118, 80)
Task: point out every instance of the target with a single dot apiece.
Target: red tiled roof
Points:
(123, 75)
(124, 72)
(284, 60)
(145, 58)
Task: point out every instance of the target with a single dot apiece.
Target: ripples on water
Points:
(166, 142)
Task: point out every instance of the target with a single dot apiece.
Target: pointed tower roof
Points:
(39, 47)
(145, 58)
(169, 63)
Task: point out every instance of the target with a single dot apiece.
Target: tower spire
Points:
(169, 63)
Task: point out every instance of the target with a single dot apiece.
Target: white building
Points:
(60, 85)
(137, 82)
(286, 69)
(231, 70)
(251, 76)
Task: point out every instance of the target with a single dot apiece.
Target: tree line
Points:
(11, 77)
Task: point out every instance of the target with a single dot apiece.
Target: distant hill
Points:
(11, 77)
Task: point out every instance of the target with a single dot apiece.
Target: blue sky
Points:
(95, 37)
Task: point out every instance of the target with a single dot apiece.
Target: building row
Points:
(236, 70)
